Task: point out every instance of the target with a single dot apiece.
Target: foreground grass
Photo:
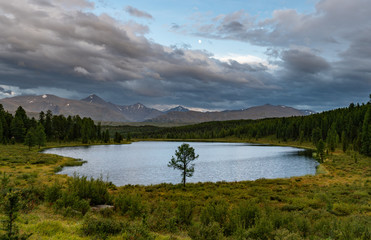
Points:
(334, 204)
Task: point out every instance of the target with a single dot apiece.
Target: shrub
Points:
(341, 209)
(184, 212)
(243, 216)
(73, 202)
(94, 190)
(211, 231)
(262, 229)
(284, 234)
(161, 217)
(49, 228)
(215, 211)
(101, 227)
(137, 231)
(53, 193)
(129, 204)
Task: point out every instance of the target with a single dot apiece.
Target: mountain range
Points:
(100, 110)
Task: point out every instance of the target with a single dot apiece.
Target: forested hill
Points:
(345, 127)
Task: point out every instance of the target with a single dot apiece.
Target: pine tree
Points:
(1, 130)
(366, 133)
(185, 155)
(106, 136)
(316, 135)
(30, 139)
(48, 125)
(321, 150)
(332, 138)
(117, 138)
(17, 129)
(10, 207)
(40, 135)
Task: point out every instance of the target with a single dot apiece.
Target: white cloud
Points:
(246, 59)
(81, 70)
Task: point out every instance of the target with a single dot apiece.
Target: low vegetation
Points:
(332, 205)
(36, 203)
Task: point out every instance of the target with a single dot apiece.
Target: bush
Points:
(284, 234)
(53, 193)
(243, 216)
(138, 232)
(49, 228)
(211, 231)
(94, 190)
(161, 217)
(102, 227)
(73, 202)
(184, 212)
(262, 229)
(215, 211)
(129, 204)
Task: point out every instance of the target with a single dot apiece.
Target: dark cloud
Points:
(5, 92)
(49, 47)
(58, 48)
(137, 13)
(304, 61)
(322, 56)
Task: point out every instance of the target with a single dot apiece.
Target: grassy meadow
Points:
(334, 204)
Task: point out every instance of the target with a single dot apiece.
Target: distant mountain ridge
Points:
(177, 109)
(100, 110)
(258, 112)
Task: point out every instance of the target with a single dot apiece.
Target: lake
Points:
(145, 163)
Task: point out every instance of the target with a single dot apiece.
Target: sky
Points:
(207, 55)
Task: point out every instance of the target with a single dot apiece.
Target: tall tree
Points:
(30, 139)
(1, 131)
(40, 136)
(332, 138)
(366, 133)
(48, 125)
(18, 129)
(321, 150)
(185, 155)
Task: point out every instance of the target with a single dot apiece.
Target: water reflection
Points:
(146, 162)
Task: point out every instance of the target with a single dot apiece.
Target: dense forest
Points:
(348, 128)
(22, 129)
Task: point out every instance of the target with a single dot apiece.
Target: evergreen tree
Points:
(366, 133)
(316, 135)
(332, 138)
(344, 141)
(99, 132)
(42, 118)
(1, 131)
(48, 125)
(321, 150)
(117, 138)
(10, 207)
(40, 135)
(128, 137)
(30, 139)
(106, 136)
(185, 155)
(17, 129)
(20, 113)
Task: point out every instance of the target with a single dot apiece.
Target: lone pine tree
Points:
(185, 155)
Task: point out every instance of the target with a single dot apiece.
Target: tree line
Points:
(347, 128)
(48, 127)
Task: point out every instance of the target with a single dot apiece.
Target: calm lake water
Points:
(145, 163)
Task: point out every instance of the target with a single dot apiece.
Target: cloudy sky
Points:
(207, 54)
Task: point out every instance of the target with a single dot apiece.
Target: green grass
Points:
(333, 204)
